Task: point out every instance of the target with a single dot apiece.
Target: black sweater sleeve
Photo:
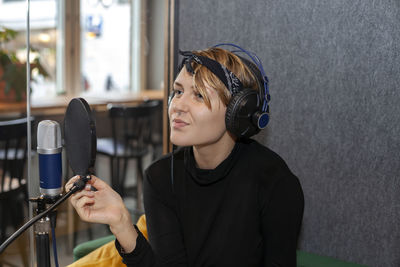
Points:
(142, 255)
(167, 248)
(281, 218)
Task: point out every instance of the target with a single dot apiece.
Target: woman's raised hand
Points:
(104, 206)
(101, 206)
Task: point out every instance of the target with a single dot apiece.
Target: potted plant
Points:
(13, 69)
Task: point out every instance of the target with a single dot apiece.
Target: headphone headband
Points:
(227, 77)
(266, 96)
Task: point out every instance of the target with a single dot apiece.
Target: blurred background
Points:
(333, 68)
(110, 52)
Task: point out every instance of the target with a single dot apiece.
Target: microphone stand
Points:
(42, 229)
(78, 185)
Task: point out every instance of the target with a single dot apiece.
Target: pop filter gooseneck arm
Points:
(80, 143)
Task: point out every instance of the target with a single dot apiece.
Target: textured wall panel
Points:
(334, 75)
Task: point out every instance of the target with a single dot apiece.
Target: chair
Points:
(13, 186)
(156, 128)
(101, 252)
(131, 128)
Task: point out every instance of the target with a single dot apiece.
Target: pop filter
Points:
(80, 137)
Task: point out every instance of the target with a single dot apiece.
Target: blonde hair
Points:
(203, 76)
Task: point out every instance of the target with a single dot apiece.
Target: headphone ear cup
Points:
(230, 115)
(240, 111)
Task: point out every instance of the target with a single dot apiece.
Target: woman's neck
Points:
(211, 155)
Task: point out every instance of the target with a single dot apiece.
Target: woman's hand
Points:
(101, 206)
(104, 206)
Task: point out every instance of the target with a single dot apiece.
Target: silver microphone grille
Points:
(49, 135)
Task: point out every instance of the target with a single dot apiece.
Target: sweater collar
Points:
(205, 176)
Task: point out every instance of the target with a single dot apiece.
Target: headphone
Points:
(248, 110)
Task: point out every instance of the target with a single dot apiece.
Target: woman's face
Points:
(192, 122)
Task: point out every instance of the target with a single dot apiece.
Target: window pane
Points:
(105, 51)
(43, 38)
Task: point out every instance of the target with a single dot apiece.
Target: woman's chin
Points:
(181, 144)
(180, 141)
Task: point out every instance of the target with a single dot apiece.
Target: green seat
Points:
(87, 247)
(306, 259)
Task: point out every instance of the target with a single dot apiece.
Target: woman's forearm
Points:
(125, 233)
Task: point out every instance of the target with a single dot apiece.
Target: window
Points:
(98, 48)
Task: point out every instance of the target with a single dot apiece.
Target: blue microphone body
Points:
(50, 164)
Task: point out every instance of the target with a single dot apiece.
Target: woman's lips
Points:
(177, 123)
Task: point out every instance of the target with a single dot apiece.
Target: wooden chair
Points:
(156, 128)
(13, 186)
(131, 128)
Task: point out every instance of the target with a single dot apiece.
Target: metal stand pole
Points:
(42, 229)
(42, 249)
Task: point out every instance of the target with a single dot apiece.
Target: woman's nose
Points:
(180, 104)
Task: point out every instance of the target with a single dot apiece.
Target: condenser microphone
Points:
(50, 166)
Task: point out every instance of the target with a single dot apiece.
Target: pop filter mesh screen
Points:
(80, 137)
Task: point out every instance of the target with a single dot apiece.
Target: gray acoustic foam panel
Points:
(335, 112)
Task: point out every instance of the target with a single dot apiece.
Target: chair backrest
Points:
(132, 125)
(157, 115)
(13, 151)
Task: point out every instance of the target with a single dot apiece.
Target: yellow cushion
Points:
(141, 224)
(107, 255)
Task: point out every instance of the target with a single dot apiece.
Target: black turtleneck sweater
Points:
(246, 212)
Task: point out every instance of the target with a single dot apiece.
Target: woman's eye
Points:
(177, 92)
(199, 96)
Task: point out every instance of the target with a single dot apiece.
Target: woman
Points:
(222, 199)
